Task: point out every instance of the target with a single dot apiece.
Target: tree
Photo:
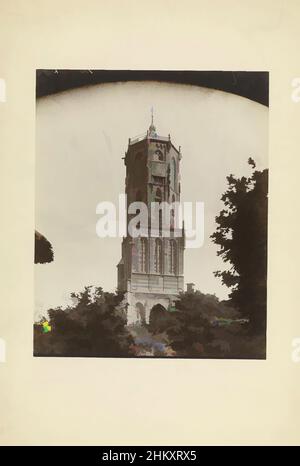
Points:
(190, 333)
(43, 251)
(187, 329)
(242, 236)
(94, 326)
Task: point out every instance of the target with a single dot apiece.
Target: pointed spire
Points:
(152, 129)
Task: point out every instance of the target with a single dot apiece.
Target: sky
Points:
(81, 137)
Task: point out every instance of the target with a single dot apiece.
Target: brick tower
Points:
(150, 271)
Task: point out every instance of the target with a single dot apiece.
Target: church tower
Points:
(150, 271)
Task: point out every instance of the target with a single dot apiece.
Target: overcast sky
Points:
(81, 137)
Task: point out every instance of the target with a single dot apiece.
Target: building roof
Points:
(151, 134)
(153, 137)
(147, 135)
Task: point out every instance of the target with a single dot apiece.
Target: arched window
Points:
(158, 195)
(172, 219)
(134, 251)
(158, 256)
(173, 174)
(160, 221)
(173, 257)
(158, 199)
(140, 312)
(159, 155)
(143, 255)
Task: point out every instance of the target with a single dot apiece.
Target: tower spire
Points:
(152, 129)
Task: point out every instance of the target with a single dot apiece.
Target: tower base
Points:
(139, 305)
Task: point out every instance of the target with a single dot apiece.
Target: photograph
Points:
(150, 175)
(151, 214)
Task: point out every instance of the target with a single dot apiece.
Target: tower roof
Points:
(152, 129)
(151, 134)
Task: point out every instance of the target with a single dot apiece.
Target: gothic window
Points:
(143, 255)
(173, 174)
(173, 257)
(157, 217)
(172, 220)
(160, 221)
(158, 195)
(134, 257)
(158, 256)
(159, 155)
(141, 313)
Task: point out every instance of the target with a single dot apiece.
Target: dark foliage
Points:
(187, 328)
(93, 327)
(43, 251)
(191, 329)
(242, 236)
